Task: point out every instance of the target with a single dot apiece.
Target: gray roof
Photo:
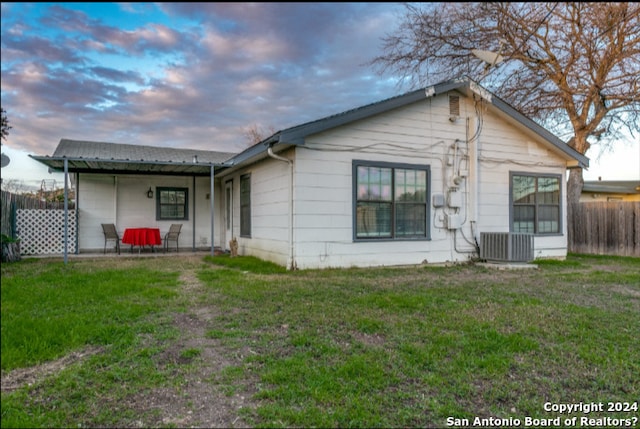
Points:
(612, 186)
(97, 157)
(297, 134)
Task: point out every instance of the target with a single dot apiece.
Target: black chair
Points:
(110, 233)
(172, 235)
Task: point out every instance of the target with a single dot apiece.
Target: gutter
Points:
(291, 264)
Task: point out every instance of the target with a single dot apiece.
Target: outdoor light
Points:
(150, 193)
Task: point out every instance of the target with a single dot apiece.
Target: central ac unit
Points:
(506, 246)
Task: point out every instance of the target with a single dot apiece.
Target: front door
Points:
(228, 213)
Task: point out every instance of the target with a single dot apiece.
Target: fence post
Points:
(14, 219)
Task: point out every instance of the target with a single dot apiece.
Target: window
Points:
(227, 203)
(390, 201)
(535, 203)
(245, 205)
(172, 204)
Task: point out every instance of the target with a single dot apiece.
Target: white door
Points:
(228, 213)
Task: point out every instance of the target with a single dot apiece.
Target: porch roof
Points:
(116, 158)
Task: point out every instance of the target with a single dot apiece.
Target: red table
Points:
(142, 237)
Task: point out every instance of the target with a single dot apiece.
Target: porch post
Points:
(211, 193)
(66, 210)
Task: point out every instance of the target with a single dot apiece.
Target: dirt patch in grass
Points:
(624, 290)
(201, 400)
(372, 340)
(20, 377)
(198, 396)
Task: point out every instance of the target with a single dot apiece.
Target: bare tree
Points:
(255, 134)
(573, 67)
(5, 124)
(15, 186)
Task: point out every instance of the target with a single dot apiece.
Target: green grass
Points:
(378, 347)
(49, 313)
(120, 312)
(413, 346)
(246, 263)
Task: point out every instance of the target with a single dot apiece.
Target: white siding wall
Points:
(419, 134)
(123, 200)
(96, 205)
(503, 149)
(269, 210)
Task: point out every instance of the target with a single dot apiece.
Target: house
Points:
(610, 190)
(411, 179)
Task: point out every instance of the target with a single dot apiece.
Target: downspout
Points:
(473, 129)
(290, 162)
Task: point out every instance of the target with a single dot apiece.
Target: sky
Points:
(194, 75)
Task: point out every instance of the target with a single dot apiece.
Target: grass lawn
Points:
(222, 342)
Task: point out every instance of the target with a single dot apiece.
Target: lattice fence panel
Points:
(41, 232)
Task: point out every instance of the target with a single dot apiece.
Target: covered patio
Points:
(89, 163)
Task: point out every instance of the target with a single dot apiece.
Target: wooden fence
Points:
(11, 203)
(605, 228)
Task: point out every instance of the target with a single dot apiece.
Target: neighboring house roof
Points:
(628, 187)
(296, 135)
(95, 157)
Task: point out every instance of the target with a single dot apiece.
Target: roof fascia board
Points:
(445, 87)
(141, 173)
(251, 152)
(581, 160)
(44, 159)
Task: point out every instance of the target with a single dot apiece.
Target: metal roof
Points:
(117, 158)
(297, 134)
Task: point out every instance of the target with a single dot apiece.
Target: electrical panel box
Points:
(438, 200)
(454, 221)
(454, 199)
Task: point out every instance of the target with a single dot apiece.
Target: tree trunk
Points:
(574, 186)
(11, 252)
(576, 182)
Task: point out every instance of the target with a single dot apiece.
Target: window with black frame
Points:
(172, 204)
(535, 203)
(245, 205)
(390, 201)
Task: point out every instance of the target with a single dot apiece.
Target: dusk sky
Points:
(194, 75)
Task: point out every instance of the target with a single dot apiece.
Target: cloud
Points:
(184, 74)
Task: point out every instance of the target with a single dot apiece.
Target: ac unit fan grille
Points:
(506, 247)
